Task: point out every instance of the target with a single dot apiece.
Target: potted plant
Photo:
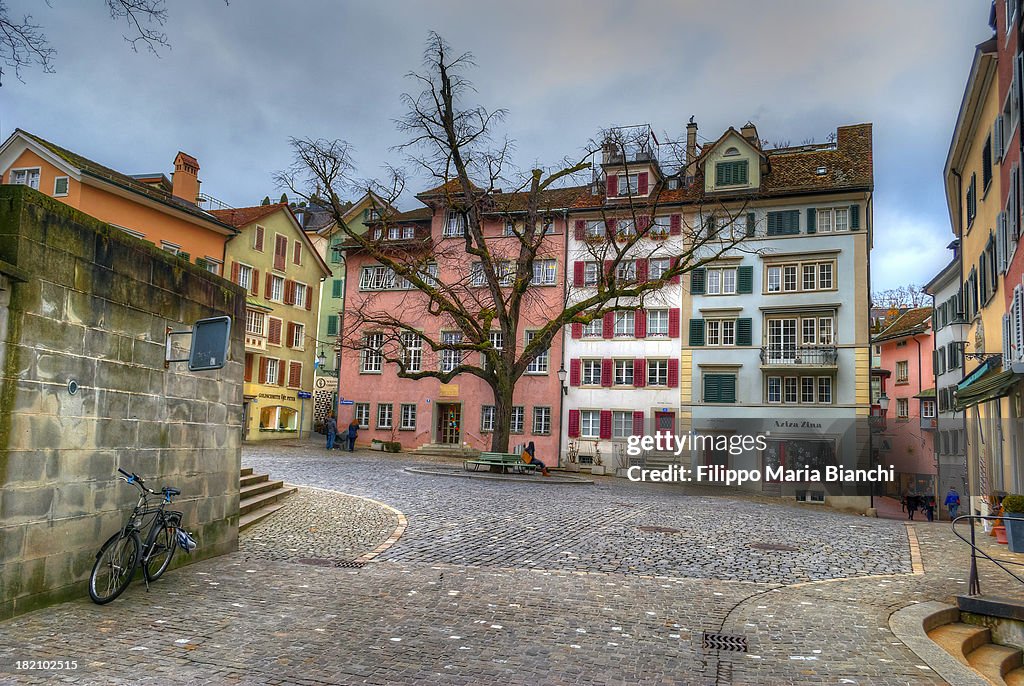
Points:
(597, 468)
(1013, 510)
(572, 454)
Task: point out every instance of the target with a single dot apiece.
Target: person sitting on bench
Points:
(530, 457)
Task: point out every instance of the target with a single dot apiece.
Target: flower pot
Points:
(1000, 533)
(1015, 531)
(597, 470)
(572, 467)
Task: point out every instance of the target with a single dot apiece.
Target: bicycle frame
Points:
(143, 508)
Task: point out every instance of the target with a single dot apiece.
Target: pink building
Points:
(426, 412)
(905, 349)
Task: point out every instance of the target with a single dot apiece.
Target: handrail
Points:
(974, 586)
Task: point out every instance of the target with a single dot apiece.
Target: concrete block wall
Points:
(83, 301)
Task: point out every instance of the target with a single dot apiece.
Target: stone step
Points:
(246, 471)
(251, 479)
(1014, 677)
(247, 520)
(993, 661)
(259, 487)
(960, 639)
(263, 499)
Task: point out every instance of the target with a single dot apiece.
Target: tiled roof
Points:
(242, 216)
(849, 165)
(417, 215)
(95, 169)
(910, 322)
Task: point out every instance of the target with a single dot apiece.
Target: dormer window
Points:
(621, 185)
(455, 224)
(731, 152)
(731, 173)
(628, 185)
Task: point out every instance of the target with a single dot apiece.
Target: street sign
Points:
(347, 402)
(304, 394)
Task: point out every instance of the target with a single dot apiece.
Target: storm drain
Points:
(323, 562)
(774, 546)
(732, 643)
(658, 529)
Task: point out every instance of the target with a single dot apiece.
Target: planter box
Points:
(572, 467)
(1015, 531)
(377, 445)
(597, 469)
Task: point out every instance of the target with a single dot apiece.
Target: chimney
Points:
(691, 141)
(185, 181)
(749, 131)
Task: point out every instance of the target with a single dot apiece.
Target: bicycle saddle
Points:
(171, 491)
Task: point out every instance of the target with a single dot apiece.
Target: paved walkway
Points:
(496, 582)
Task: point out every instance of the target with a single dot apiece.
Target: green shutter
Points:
(745, 279)
(712, 388)
(741, 171)
(697, 277)
(744, 331)
(727, 388)
(750, 224)
(773, 223)
(721, 171)
(332, 325)
(696, 332)
(812, 220)
(337, 288)
(854, 217)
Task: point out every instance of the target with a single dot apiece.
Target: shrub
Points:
(1013, 503)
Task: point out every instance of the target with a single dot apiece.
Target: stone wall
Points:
(81, 300)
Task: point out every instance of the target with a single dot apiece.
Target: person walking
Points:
(332, 431)
(953, 503)
(353, 429)
(912, 503)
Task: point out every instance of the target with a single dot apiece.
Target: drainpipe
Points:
(565, 280)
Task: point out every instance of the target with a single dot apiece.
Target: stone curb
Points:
(915, 550)
(908, 626)
(562, 480)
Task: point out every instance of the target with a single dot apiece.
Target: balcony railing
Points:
(255, 341)
(799, 356)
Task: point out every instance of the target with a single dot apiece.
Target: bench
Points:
(500, 462)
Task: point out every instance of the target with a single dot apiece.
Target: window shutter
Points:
(1007, 359)
(606, 423)
(248, 367)
(673, 322)
(712, 388)
(643, 223)
(235, 269)
(696, 332)
(639, 373)
(675, 224)
(641, 183)
(608, 270)
(728, 388)
(336, 288)
(263, 370)
(255, 282)
(259, 238)
(751, 221)
(297, 253)
(773, 223)
(1001, 242)
(639, 323)
(998, 135)
(744, 331)
(577, 330)
(608, 325)
(609, 227)
(574, 423)
(613, 185)
(289, 293)
(577, 273)
(745, 279)
(332, 325)
(309, 298)
(281, 375)
(606, 372)
(574, 372)
(1018, 322)
(270, 281)
(854, 217)
(675, 263)
(697, 279)
(641, 271)
(581, 229)
(291, 335)
(638, 423)
(812, 220)
(673, 372)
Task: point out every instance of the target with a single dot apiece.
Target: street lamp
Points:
(883, 402)
(561, 378)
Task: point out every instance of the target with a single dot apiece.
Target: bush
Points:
(392, 446)
(1013, 503)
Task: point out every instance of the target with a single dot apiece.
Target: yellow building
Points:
(274, 259)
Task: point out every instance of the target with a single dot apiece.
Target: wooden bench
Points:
(500, 462)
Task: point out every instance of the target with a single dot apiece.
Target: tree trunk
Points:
(502, 389)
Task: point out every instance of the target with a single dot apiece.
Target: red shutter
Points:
(674, 263)
(641, 271)
(606, 423)
(643, 223)
(608, 325)
(606, 372)
(235, 268)
(248, 366)
(255, 281)
(639, 373)
(282, 377)
(673, 323)
(640, 323)
(574, 423)
(638, 423)
(609, 227)
(613, 185)
(297, 253)
(274, 331)
(263, 370)
(581, 229)
(259, 238)
(309, 298)
(641, 183)
(574, 372)
(291, 335)
(270, 281)
(577, 273)
(280, 252)
(294, 374)
(577, 330)
(673, 372)
(289, 292)
(675, 226)
(608, 269)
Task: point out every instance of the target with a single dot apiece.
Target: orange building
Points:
(148, 206)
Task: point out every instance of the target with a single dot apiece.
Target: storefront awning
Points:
(992, 385)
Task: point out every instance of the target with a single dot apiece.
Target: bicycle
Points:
(124, 552)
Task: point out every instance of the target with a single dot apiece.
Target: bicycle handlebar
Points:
(134, 478)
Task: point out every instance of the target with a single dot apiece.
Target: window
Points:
(825, 276)
(26, 177)
(510, 227)
(544, 272)
(450, 359)
(775, 389)
(902, 408)
(810, 277)
(625, 228)
(624, 324)
(476, 274)
(60, 186)
(394, 233)
(789, 277)
(593, 329)
(789, 386)
(332, 325)
(928, 409)
(831, 219)
(783, 223)
(541, 421)
(622, 424)
(455, 224)
(826, 331)
(807, 389)
(363, 415)
(254, 322)
(800, 276)
(657, 323)
(719, 388)
(623, 373)
(301, 293)
(774, 280)
(276, 288)
(539, 364)
(408, 232)
(210, 264)
(656, 267)
(412, 345)
(720, 281)
(497, 340)
(824, 390)
(337, 288)
(273, 369)
(657, 372)
(903, 371)
(731, 173)
(372, 357)
(298, 335)
(518, 417)
(590, 423)
(626, 272)
(972, 200)
(720, 332)
(408, 417)
(591, 372)
(487, 418)
(660, 227)
(170, 247)
(591, 271)
(280, 252)
(595, 229)
(384, 415)
(245, 276)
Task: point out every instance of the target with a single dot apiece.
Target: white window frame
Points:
(657, 373)
(455, 224)
(306, 293)
(67, 186)
(657, 266)
(450, 359)
(541, 420)
(408, 417)
(539, 364)
(622, 424)
(276, 293)
(590, 372)
(518, 422)
(298, 341)
(590, 424)
(27, 177)
(273, 370)
(625, 272)
(591, 273)
(255, 323)
(487, 414)
(412, 346)
(622, 372)
(622, 328)
(545, 272)
(372, 358)
(362, 415)
(657, 323)
(720, 332)
(245, 273)
(385, 415)
(593, 329)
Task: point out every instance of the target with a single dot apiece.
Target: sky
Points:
(241, 78)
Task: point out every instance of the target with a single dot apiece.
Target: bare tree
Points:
(910, 295)
(24, 45)
(484, 308)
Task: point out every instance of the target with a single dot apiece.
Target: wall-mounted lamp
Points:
(562, 374)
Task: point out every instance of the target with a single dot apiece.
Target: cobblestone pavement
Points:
(453, 603)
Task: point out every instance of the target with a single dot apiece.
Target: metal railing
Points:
(974, 585)
(807, 355)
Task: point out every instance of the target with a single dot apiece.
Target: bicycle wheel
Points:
(161, 550)
(115, 565)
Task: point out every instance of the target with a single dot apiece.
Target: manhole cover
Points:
(774, 546)
(658, 529)
(728, 642)
(322, 562)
